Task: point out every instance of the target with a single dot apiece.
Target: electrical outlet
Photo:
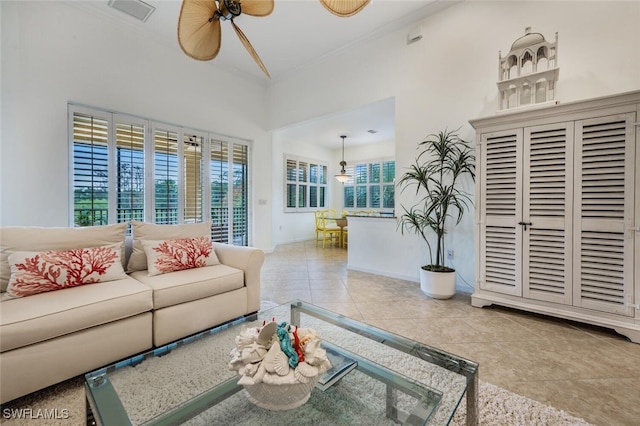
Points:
(449, 254)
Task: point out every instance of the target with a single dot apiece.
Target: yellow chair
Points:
(327, 231)
(345, 234)
(330, 213)
(340, 221)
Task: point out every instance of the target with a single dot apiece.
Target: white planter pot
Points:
(439, 285)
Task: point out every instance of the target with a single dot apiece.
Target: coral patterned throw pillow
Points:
(39, 272)
(178, 254)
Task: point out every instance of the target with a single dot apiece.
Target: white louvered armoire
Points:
(558, 211)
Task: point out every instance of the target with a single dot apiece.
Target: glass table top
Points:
(189, 381)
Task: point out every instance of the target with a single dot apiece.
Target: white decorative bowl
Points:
(280, 397)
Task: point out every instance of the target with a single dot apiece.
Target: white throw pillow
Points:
(178, 254)
(33, 238)
(39, 272)
(153, 232)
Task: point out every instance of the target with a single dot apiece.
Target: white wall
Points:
(299, 226)
(56, 52)
(450, 76)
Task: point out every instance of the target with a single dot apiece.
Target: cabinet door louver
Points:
(501, 181)
(558, 211)
(547, 201)
(603, 262)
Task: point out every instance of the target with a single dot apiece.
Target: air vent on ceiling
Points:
(136, 8)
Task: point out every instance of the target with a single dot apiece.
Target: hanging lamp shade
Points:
(343, 176)
(344, 8)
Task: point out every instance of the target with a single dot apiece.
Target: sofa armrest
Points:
(249, 260)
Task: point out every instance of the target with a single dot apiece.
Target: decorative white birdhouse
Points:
(528, 74)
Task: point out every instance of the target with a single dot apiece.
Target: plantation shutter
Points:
(605, 185)
(500, 211)
(219, 176)
(303, 181)
(349, 189)
(291, 178)
(240, 195)
(388, 190)
(90, 169)
(165, 176)
(193, 177)
(130, 170)
(547, 208)
(360, 177)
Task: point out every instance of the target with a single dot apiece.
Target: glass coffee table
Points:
(395, 380)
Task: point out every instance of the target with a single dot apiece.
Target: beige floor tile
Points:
(328, 296)
(347, 309)
(587, 371)
(376, 309)
(326, 284)
(325, 275)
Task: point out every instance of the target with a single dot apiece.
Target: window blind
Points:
(90, 170)
(219, 172)
(165, 175)
(128, 168)
(130, 172)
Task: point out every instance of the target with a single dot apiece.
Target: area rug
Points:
(64, 404)
(497, 407)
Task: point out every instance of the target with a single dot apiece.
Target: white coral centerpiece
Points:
(278, 364)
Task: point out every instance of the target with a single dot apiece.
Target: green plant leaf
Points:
(442, 161)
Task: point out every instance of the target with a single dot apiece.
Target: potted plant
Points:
(443, 161)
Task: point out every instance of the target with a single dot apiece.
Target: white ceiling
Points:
(296, 34)
(355, 125)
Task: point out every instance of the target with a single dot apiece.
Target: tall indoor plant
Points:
(443, 161)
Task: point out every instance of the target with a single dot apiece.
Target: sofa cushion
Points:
(179, 254)
(33, 238)
(191, 284)
(151, 231)
(28, 320)
(39, 272)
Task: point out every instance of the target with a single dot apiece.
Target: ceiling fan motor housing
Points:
(229, 9)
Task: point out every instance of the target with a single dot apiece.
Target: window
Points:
(165, 176)
(305, 184)
(240, 192)
(128, 168)
(90, 171)
(371, 187)
(193, 178)
(130, 171)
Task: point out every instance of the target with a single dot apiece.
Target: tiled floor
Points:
(589, 372)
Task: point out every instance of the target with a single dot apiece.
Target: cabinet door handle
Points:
(525, 224)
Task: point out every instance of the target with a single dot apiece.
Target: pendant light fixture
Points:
(343, 176)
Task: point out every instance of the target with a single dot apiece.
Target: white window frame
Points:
(309, 162)
(150, 126)
(351, 183)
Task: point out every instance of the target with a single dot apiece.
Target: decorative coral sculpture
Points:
(278, 364)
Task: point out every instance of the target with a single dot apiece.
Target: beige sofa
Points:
(52, 336)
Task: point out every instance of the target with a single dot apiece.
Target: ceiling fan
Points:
(199, 30)
(344, 8)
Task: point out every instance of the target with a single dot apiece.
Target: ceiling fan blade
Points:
(344, 8)
(198, 37)
(249, 47)
(257, 7)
